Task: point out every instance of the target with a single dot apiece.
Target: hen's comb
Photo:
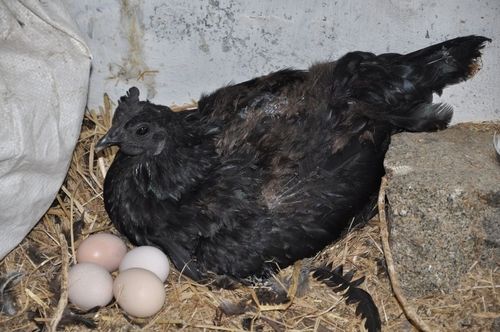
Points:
(127, 104)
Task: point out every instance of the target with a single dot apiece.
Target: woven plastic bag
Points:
(44, 75)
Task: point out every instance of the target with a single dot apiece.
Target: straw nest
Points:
(34, 275)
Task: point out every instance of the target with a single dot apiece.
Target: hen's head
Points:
(138, 127)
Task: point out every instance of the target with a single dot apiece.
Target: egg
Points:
(139, 292)
(103, 249)
(89, 285)
(148, 258)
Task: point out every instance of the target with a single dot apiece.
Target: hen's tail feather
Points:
(340, 281)
(446, 63)
(423, 117)
(398, 89)
(428, 71)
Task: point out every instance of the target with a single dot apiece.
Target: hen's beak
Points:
(106, 141)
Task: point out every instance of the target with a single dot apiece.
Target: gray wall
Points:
(184, 48)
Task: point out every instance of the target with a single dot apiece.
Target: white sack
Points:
(44, 73)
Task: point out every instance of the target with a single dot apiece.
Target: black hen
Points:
(272, 170)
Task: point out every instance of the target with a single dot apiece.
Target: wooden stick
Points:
(63, 300)
(408, 309)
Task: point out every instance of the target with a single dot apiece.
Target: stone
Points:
(444, 205)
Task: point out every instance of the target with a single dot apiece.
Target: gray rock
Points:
(444, 196)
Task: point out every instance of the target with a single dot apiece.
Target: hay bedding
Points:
(38, 296)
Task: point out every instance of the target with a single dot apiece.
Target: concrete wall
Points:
(175, 50)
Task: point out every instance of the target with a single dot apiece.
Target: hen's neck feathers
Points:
(182, 165)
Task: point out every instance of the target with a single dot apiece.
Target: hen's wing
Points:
(283, 189)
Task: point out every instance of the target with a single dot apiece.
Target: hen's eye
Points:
(142, 130)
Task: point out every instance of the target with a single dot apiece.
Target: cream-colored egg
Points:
(139, 292)
(103, 249)
(89, 285)
(148, 258)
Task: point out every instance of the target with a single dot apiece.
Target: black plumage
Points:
(271, 170)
